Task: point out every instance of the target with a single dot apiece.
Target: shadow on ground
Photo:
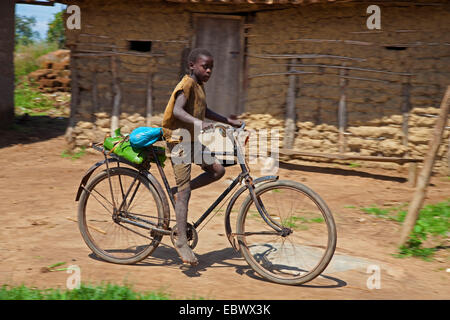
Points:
(223, 258)
(342, 172)
(30, 129)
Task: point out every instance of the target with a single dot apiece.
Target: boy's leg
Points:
(181, 210)
(212, 167)
(182, 174)
(213, 172)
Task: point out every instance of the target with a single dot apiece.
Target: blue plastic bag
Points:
(143, 137)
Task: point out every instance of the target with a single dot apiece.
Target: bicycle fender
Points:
(88, 174)
(228, 230)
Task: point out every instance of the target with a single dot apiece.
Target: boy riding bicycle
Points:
(186, 112)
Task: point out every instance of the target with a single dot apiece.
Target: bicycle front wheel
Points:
(295, 240)
(121, 234)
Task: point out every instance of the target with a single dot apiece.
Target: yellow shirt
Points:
(195, 106)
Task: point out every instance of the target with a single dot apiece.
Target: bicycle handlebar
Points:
(223, 127)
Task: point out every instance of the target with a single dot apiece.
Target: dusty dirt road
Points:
(38, 188)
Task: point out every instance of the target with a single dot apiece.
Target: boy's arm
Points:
(219, 118)
(181, 114)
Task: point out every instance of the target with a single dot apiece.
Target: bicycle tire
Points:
(264, 253)
(94, 230)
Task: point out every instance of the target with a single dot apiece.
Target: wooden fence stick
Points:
(115, 114)
(342, 111)
(425, 174)
(448, 157)
(149, 99)
(290, 122)
(74, 95)
(94, 96)
(406, 108)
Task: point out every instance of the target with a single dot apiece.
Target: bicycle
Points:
(124, 213)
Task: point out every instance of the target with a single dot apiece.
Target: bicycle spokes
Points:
(125, 235)
(299, 249)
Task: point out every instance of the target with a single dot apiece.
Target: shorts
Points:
(182, 155)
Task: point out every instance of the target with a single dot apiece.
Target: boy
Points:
(187, 110)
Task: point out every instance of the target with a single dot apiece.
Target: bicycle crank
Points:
(191, 235)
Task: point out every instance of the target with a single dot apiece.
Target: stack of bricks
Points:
(87, 132)
(54, 74)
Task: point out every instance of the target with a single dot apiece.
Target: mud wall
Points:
(395, 77)
(392, 79)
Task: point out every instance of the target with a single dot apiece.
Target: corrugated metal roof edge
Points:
(261, 2)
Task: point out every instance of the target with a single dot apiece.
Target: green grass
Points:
(433, 225)
(297, 222)
(73, 155)
(27, 99)
(354, 165)
(396, 213)
(85, 292)
(292, 222)
(25, 57)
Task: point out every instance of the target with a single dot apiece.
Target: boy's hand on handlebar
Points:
(234, 122)
(206, 125)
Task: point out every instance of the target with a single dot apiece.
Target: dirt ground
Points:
(37, 202)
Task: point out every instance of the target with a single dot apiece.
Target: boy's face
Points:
(202, 68)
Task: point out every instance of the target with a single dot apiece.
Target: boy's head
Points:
(201, 63)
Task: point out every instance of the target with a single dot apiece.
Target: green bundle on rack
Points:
(120, 145)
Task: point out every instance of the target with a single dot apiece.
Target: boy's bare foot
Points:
(186, 254)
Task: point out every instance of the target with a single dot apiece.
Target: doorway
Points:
(222, 36)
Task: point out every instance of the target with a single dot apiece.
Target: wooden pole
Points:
(406, 107)
(149, 99)
(342, 111)
(425, 174)
(115, 113)
(94, 95)
(290, 119)
(448, 157)
(74, 93)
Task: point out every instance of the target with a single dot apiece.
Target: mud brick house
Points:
(313, 69)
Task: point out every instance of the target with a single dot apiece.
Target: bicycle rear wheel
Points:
(306, 244)
(121, 236)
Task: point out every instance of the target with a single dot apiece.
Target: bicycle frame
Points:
(244, 175)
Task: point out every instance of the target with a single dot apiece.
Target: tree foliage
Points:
(55, 31)
(24, 33)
